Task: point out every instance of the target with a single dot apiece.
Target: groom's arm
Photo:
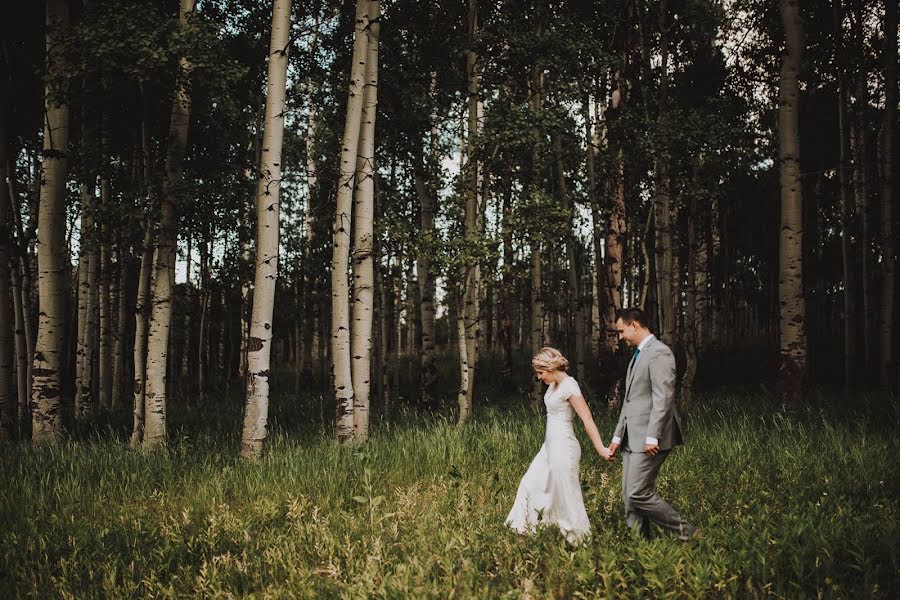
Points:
(662, 389)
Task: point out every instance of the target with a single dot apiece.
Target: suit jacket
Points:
(649, 405)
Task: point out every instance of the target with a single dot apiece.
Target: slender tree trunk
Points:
(861, 190)
(25, 285)
(462, 397)
(340, 294)
(19, 283)
(664, 242)
(52, 250)
(611, 370)
(142, 315)
(574, 277)
(21, 349)
(203, 336)
(87, 239)
(121, 335)
(8, 403)
(472, 281)
(309, 281)
(888, 161)
(536, 106)
(167, 237)
(105, 378)
(792, 368)
(848, 225)
(384, 337)
(427, 288)
(537, 318)
(690, 318)
(363, 237)
(507, 286)
(187, 298)
(267, 210)
(254, 150)
(596, 227)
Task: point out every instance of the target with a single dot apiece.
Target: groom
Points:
(648, 427)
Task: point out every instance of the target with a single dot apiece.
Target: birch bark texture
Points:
(167, 236)
(259, 345)
(52, 251)
(792, 305)
(363, 237)
(472, 278)
(141, 317)
(341, 231)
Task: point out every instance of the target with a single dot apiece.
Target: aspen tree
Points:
(340, 293)
(792, 304)
(141, 320)
(259, 345)
(52, 250)
(167, 236)
(473, 220)
(666, 275)
(363, 234)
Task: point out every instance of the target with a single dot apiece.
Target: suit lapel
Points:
(631, 368)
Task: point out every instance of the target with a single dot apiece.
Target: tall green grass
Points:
(792, 505)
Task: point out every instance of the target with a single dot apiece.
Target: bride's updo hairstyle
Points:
(550, 359)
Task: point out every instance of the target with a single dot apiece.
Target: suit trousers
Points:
(642, 503)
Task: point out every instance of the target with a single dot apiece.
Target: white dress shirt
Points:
(650, 441)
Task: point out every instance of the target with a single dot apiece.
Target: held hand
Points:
(612, 450)
(651, 449)
(605, 454)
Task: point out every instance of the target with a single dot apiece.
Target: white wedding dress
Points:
(550, 491)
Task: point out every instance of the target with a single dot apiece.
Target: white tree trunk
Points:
(259, 344)
(363, 234)
(121, 333)
(596, 228)
(82, 294)
(141, 317)
(792, 303)
(106, 306)
(340, 297)
(164, 280)
(52, 250)
(462, 397)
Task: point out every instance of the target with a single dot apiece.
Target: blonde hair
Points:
(550, 359)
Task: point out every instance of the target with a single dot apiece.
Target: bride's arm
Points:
(581, 408)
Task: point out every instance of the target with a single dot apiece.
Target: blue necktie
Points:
(634, 358)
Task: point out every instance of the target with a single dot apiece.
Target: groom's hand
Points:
(612, 450)
(651, 449)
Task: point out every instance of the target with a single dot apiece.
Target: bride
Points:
(550, 491)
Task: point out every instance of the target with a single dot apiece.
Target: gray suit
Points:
(649, 411)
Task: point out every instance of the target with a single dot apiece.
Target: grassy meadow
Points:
(792, 505)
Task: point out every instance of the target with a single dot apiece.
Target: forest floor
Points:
(792, 504)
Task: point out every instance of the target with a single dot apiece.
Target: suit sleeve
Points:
(620, 426)
(662, 388)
